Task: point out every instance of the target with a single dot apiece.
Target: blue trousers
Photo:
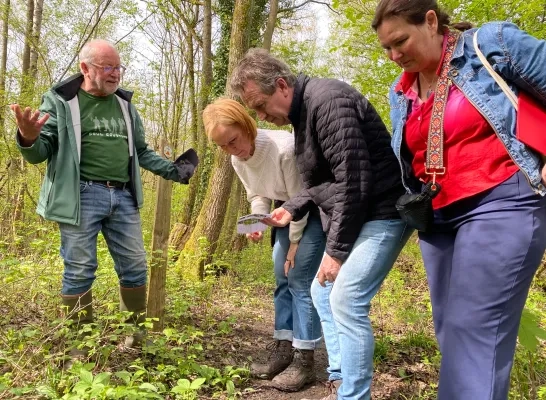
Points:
(344, 306)
(480, 262)
(295, 316)
(114, 212)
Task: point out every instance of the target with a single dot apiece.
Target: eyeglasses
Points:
(108, 68)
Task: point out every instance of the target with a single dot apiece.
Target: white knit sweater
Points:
(271, 174)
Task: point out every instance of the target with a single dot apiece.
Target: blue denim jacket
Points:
(520, 59)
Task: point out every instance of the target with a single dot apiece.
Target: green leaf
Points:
(103, 377)
(45, 390)
(183, 384)
(148, 386)
(230, 386)
(124, 376)
(530, 331)
(197, 383)
(81, 387)
(86, 376)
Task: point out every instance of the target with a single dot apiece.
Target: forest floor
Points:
(212, 332)
(397, 376)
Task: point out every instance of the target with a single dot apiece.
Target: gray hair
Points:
(91, 49)
(261, 67)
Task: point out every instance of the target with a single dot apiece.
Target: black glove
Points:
(185, 164)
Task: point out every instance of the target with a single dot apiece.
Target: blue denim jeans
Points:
(114, 212)
(295, 316)
(344, 313)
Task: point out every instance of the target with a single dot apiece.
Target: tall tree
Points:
(271, 22)
(209, 221)
(3, 62)
(160, 247)
(192, 77)
(36, 32)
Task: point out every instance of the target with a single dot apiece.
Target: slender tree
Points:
(209, 221)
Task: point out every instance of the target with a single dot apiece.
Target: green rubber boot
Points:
(79, 308)
(134, 300)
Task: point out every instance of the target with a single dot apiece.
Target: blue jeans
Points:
(295, 316)
(344, 313)
(114, 212)
(480, 262)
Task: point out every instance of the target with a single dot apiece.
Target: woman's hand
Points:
(255, 236)
(290, 258)
(544, 174)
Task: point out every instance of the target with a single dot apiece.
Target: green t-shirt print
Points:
(104, 146)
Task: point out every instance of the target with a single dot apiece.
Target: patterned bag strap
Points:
(435, 144)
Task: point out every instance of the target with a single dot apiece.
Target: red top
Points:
(474, 157)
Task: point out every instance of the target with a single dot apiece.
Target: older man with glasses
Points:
(93, 140)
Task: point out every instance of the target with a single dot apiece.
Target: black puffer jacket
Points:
(344, 156)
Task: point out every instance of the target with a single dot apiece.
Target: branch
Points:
(82, 41)
(289, 9)
(135, 27)
(30, 196)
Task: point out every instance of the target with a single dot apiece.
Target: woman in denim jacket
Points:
(489, 231)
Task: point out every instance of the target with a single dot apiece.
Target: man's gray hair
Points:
(261, 67)
(89, 51)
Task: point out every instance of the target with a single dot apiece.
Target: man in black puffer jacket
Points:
(350, 171)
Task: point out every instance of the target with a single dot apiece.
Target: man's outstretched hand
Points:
(186, 164)
(279, 218)
(29, 123)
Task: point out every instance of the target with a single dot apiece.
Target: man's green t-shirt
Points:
(104, 146)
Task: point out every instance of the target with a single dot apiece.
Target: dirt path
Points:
(258, 335)
(252, 331)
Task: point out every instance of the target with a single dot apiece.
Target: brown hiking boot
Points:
(278, 360)
(331, 387)
(299, 373)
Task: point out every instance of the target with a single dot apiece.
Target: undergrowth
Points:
(197, 355)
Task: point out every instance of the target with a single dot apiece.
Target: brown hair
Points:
(260, 66)
(227, 112)
(414, 12)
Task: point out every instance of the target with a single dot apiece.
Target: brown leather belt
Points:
(112, 184)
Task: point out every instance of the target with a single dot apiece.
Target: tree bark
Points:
(160, 246)
(28, 36)
(211, 216)
(271, 22)
(36, 32)
(230, 220)
(239, 242)
(3, 62)
(25, 97)
(190, 62)
(200, 177)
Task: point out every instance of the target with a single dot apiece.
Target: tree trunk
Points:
(36, 31)
(230, 220)
(209, 221)
(160, 246)
(19, 205)
(239, 242)
(190, 62)
(201, 174)
(271, 22)
(3, 63)
(25, 97)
